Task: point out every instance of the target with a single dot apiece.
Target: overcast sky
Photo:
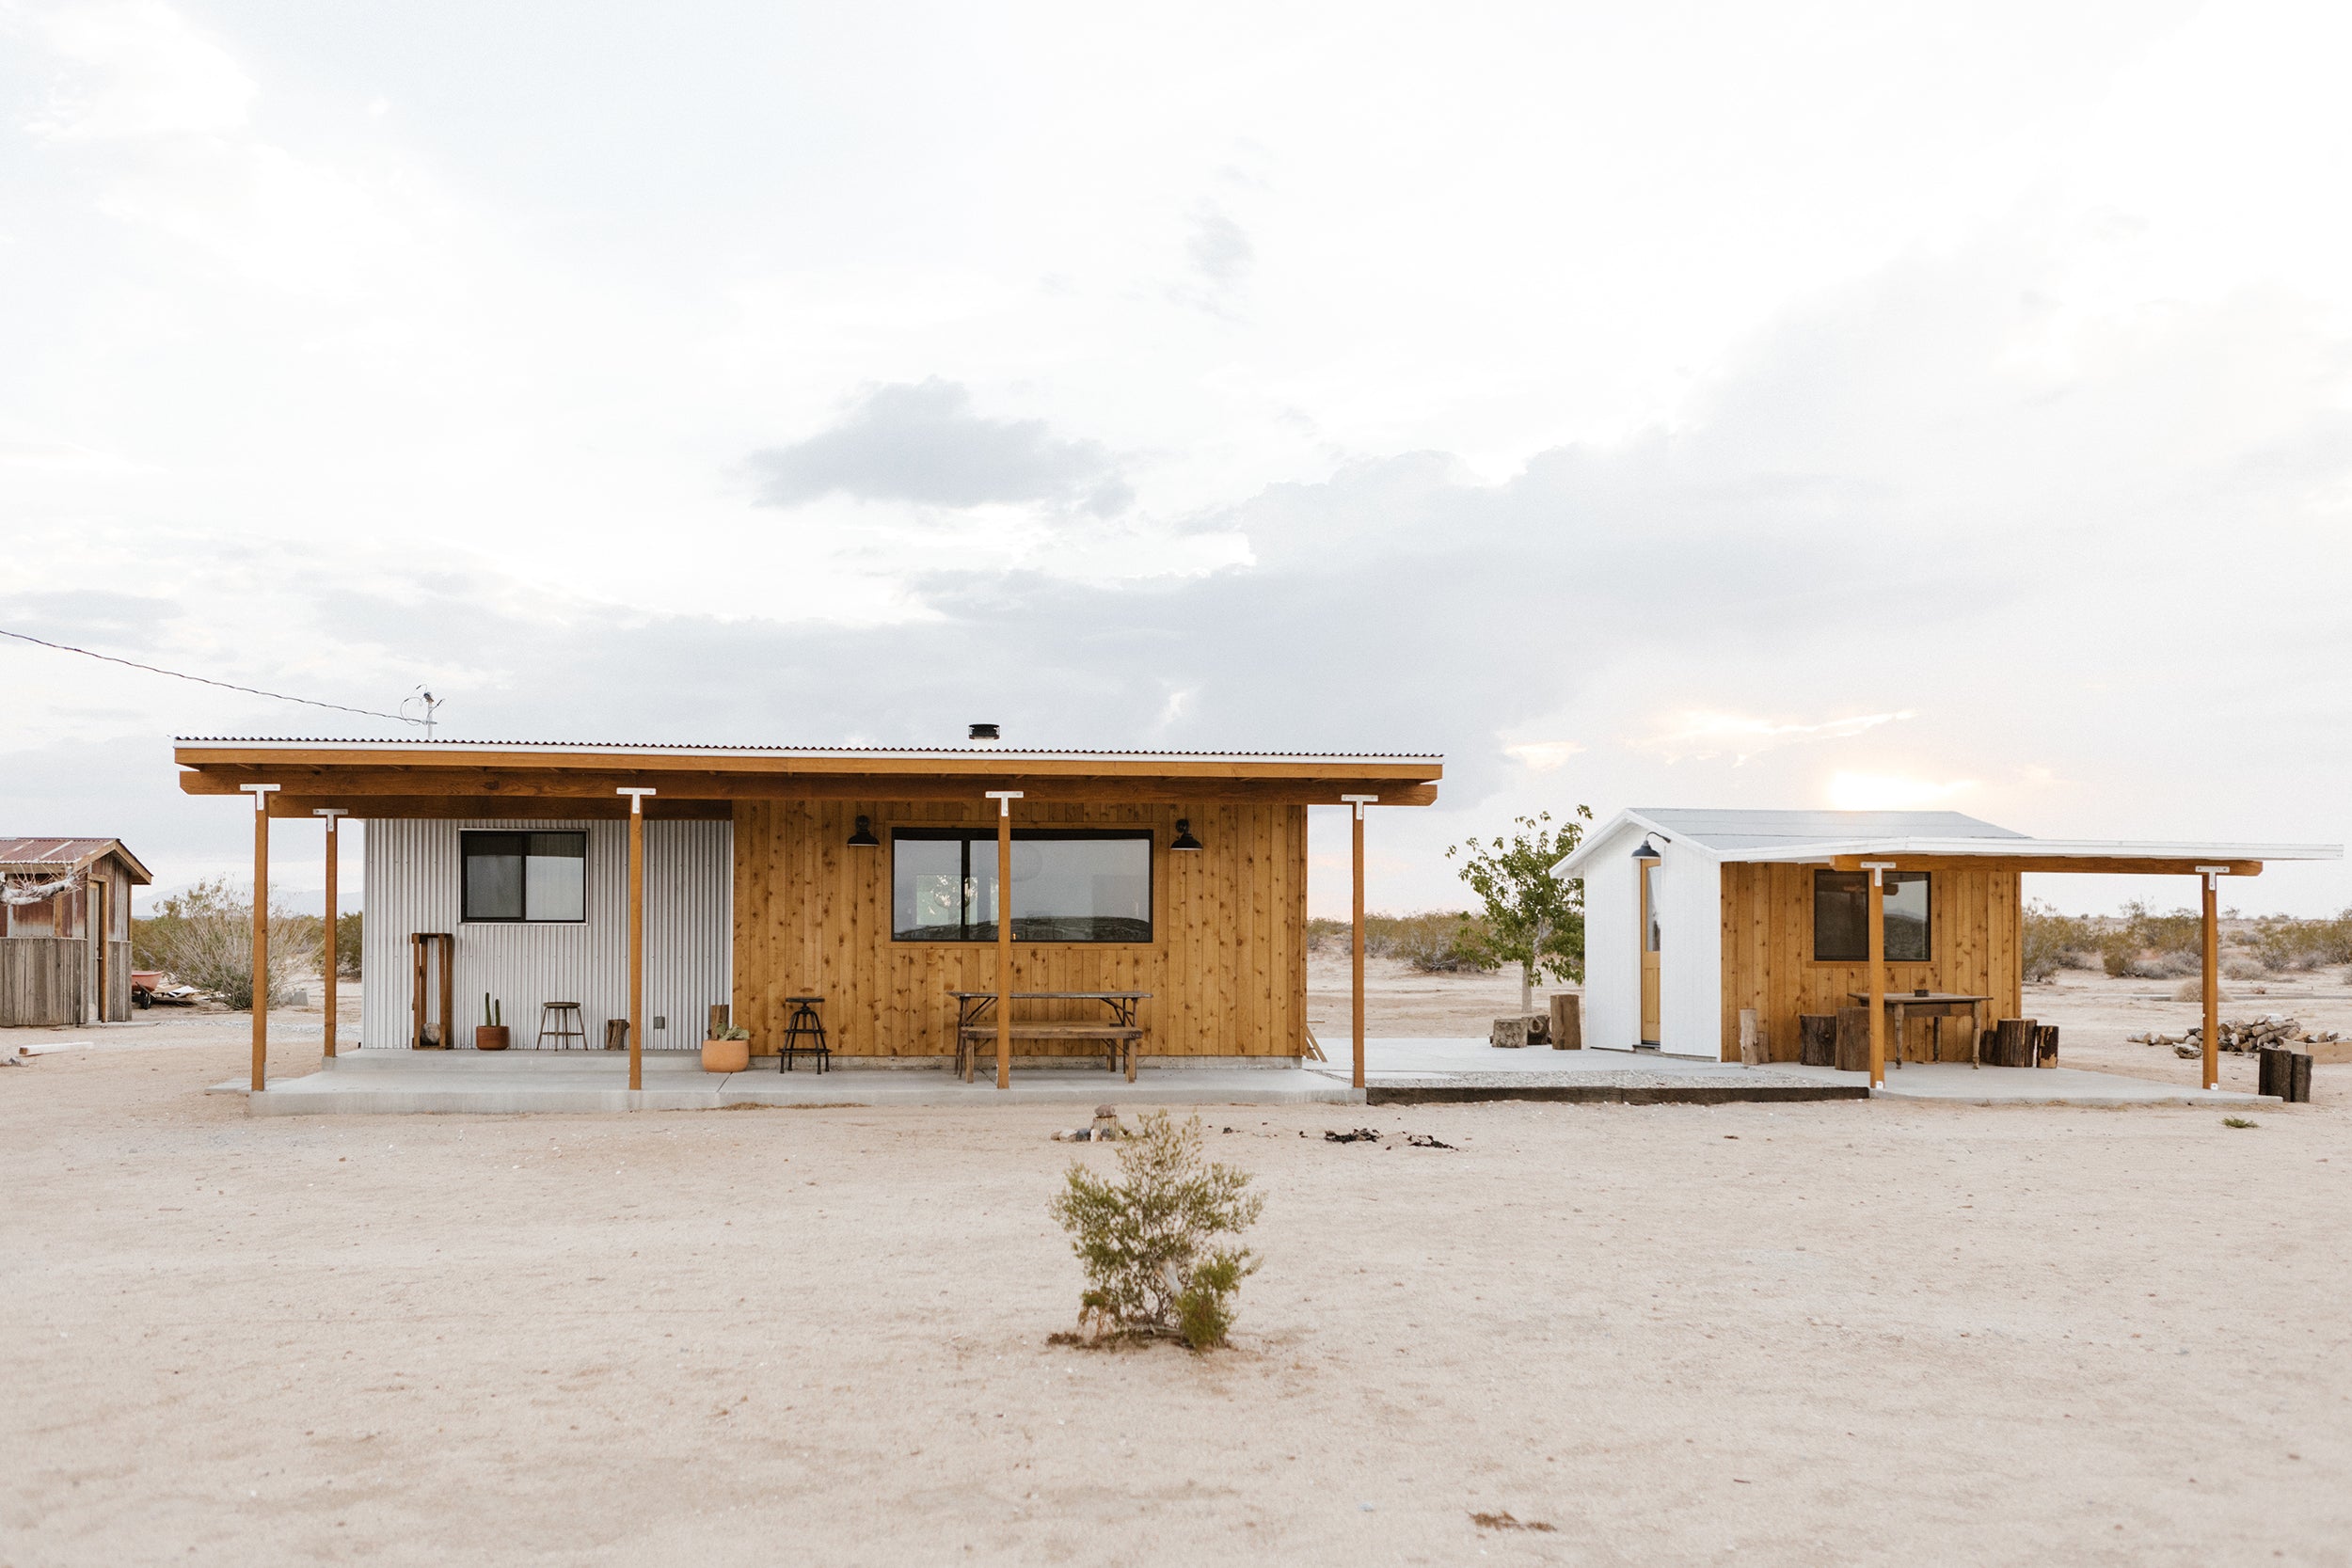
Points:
(1789, 406)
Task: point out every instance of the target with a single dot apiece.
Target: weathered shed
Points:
(65, 946)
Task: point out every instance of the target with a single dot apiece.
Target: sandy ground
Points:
(1852, 1333)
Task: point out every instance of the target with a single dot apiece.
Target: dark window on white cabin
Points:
(533, 877)
(1841, 916)
(1067, 886)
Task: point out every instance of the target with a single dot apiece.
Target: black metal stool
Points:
(804, 1026)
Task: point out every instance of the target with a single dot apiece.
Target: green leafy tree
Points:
(1533, 919)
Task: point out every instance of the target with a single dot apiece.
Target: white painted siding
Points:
(1612, 970)
(1691, 955)
(413, 885)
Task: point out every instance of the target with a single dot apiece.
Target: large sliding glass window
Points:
(541, 876)
(1079, 885)
(1841, 916)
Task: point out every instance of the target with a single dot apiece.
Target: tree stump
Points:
(1817, 1039)
(1567, 1021)
(1753, 1052)
(1854, 1039)
(2045, 1045)
(2013, 1042)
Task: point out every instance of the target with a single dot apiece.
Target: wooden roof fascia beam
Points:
(333, 786)
(2095, 865)
(545, 808)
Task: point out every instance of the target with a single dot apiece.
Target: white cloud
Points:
(1544, 757)
(1740, 737)
(1893, 792)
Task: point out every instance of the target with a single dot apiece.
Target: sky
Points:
(1677, 405)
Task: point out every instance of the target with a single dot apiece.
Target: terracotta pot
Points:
(491, 1036)
(727, 1056)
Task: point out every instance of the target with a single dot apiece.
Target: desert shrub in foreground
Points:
(1150, 1242)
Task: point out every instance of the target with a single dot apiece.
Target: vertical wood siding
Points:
(412, 884)
(1226, 967)
(1768, 961)
(43, 980)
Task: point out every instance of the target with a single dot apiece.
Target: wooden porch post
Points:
(636, 935)
(1356, 940)
(260, 794)
(1004, 798)
(2209, 875)
(1878, 973)
(330, 812)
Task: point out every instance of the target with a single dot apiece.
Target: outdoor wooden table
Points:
(1937, 1005)
(1122, 1035)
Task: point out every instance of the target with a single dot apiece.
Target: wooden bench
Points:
(1117, 1038)
(1118, 1042)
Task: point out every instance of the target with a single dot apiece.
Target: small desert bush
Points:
(2153, 945)
(1150, 1242)
(204, 938)
(2053, 941)
(2281, 942)
(1437, 943)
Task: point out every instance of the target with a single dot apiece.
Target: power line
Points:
(201, 680)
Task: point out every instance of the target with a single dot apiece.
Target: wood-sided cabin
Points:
(1692, 917)
(648, 883)
(65, 929)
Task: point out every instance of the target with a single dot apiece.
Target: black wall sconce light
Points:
(1183, 840)
(863, 838)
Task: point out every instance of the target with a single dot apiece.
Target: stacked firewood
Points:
(2240, 1035)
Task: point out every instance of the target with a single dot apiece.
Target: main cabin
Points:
(1692, 917)
(866, 876)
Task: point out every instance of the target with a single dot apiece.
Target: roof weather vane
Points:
(425, 701)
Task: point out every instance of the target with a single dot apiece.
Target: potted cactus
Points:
(490, 1034)
(727, 1050)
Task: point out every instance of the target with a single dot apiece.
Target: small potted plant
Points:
(490, 1034)
(727, 1050)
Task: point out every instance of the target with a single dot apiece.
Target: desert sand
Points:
(1844, 1332)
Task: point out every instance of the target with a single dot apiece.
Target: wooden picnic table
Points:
(1119, 1036)
(1937, 1005)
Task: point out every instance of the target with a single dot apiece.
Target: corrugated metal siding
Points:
(413, 885)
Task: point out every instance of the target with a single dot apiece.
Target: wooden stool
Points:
(804, 1026)
(564, 1017)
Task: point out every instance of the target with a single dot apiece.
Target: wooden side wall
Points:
(1226, 967)
(43, 980)
(1973, 946)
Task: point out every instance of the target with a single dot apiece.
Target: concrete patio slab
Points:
(398, 1082)
(1398, 1072)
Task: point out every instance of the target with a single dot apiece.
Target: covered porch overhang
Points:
(328, 780)
(2206, 862)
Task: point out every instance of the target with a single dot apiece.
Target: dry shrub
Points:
(2281, 942)
(1149, 1242)
(1435, 943)
(2053, 941)
(2151, 946)
(204, 938)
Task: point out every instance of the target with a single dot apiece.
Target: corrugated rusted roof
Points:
(62, 854)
